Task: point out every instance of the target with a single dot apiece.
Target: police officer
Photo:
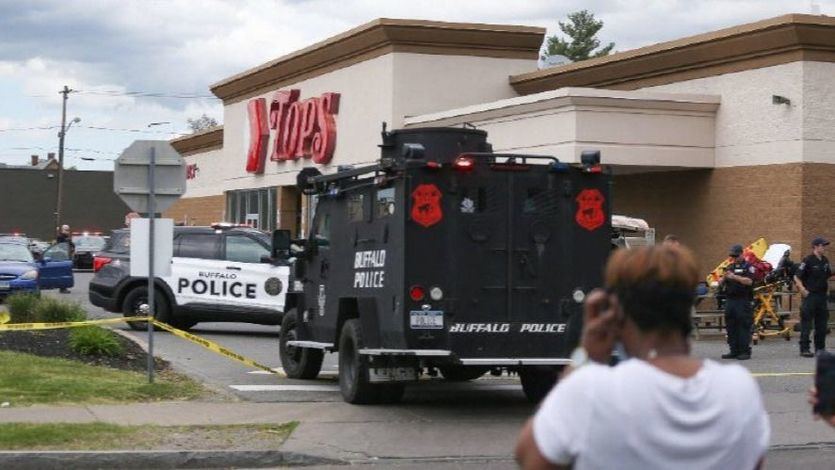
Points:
(739, 315)
(812, 280)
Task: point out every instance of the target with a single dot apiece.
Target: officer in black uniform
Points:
(812, 279)
(739, 314)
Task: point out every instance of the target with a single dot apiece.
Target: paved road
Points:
(491, 408)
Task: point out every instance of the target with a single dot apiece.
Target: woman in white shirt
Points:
(660, 409)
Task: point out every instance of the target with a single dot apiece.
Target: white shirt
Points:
(636, 416)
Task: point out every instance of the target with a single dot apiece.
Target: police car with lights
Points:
(218, 273)
(446, 257)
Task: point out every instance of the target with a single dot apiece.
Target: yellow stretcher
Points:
(759, 248)
(767, 322)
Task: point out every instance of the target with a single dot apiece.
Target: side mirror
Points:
(280, 244)
(46, 259)
(267, 259)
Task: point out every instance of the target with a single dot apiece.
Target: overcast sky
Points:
(107, 49)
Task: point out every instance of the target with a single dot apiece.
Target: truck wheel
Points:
(139, 296)
(353, 368)
(462, 373)
(298, 363)
(538, 381)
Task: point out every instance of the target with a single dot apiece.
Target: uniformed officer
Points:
(739, 315)
(812, 280)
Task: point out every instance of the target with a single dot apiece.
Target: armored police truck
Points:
(445, 256)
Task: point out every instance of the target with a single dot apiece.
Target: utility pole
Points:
(66, 91)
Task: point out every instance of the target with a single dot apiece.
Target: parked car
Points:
(20, 272)
(116, 249)
(218, 273)
(85, 247)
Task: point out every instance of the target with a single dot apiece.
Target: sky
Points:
(137, 62)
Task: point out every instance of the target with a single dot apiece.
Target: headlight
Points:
(29, 275)
(436, 293)
(579, 296)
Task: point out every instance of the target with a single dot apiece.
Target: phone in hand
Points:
(825, 384)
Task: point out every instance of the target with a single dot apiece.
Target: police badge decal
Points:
(273, 286)
(426, 205)
(590, 213)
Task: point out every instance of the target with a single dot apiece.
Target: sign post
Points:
(149, 176)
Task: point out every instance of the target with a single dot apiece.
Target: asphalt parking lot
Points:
(496, 403)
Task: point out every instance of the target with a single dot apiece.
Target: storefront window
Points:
(254, 207)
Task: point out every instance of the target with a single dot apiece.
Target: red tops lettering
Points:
(302, 129)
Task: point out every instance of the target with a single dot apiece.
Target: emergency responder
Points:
(739, 315)
(812, 280)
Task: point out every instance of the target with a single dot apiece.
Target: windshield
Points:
(89, 242)
(15, 252)
(14, 239)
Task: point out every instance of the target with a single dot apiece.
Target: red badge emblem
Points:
(426, 205)
(590, 213)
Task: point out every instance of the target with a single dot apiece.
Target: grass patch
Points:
(26, 380)
(95, 340)
(103, 436)
(22, 307)
(50, 310)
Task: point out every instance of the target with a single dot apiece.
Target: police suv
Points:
(218, 273)
(445, 256)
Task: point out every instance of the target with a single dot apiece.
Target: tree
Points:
(201, 123)
(582, 30)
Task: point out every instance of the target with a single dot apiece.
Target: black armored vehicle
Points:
(445, 256)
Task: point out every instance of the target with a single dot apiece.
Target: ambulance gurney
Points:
(770, 285)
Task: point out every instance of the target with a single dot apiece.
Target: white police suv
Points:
(218, 273)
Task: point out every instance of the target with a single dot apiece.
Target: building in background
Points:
(720, 138)
(30, 195)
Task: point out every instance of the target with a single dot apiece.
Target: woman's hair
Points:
(656, 286)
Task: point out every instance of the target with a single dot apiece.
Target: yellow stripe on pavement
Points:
(780, 374)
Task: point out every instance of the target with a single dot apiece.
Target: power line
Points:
(29, 128)
(139, 94)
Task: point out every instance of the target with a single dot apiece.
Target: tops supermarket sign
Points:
(299, 129)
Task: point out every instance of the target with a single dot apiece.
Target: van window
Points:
(385, 203)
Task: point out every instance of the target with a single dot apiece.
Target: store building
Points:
(719, 138)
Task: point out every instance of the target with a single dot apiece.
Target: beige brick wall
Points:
(818, 202)
(712, 209)
(198, 210)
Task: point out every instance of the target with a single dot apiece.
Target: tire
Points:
(353, 368)
(138, 296)
(538, 381)
(454, 373)
(298, 363)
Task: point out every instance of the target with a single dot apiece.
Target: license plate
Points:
(426, 319)
(5, 285)
(392, 374)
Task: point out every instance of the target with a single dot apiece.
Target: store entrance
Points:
(253, 207)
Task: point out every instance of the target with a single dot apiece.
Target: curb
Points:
(71, 460)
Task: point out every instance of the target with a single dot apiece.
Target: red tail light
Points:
(464, 163)
(99, 262)
(417, 293)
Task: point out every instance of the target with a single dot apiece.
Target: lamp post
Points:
(61, 136)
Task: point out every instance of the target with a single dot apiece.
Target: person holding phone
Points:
(661, 408)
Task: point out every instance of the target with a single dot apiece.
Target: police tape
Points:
(215, 347)
(210, 345)
(65, 324)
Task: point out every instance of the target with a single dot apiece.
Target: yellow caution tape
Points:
(66, 324)
(4, 317)
(215, 347)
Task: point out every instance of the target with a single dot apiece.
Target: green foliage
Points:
(26, 379)
(50, 310)
(94, 341)
(581, 28)
(22, 307)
